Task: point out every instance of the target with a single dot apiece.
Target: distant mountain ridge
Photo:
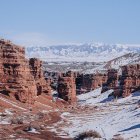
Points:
(130, 58)
(97, 52)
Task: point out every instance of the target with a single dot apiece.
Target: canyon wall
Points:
(18, 78)
(43, 86)
(129, 80)
(123, 84)
(126, 83)
(88, 82)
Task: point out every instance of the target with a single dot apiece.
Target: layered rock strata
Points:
(18, 78)
(43, 86)
(88, 82)
(129, 80)
(67, 87)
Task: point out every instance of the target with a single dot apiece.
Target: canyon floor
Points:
(113, 119)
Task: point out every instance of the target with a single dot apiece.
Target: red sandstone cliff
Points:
(88, 82)
(127, 82)
(42, 85)
(123, 85)
(18, 79)
(130, 79)
(67, 87)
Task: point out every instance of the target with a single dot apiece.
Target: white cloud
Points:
(27, 39)
(30, 39)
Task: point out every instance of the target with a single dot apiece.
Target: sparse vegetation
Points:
(118, 138)
(87, 134)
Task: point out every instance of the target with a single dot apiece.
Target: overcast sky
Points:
(47, 22)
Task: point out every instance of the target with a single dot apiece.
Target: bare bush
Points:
(118, 138)
(88, 134)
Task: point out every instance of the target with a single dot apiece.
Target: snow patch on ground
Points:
(33, 130)
(113, 117)
(94, 97)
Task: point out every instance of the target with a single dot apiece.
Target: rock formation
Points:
(43, 86)
(67, 87)
(129, 80)
(16, 79)
(123, 85)
(98, 80)
(88, 82)
(52, 77)
(112, 80)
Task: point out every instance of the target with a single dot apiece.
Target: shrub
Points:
(88, 134)
(118, 138)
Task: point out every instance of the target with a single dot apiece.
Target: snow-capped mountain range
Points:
(97, 52)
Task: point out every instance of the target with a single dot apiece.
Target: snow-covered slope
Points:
(130, 58)
(97, 52)
(112, 119)
(92, 67)
(94, 97)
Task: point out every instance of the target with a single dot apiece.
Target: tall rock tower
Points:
(67, 87)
